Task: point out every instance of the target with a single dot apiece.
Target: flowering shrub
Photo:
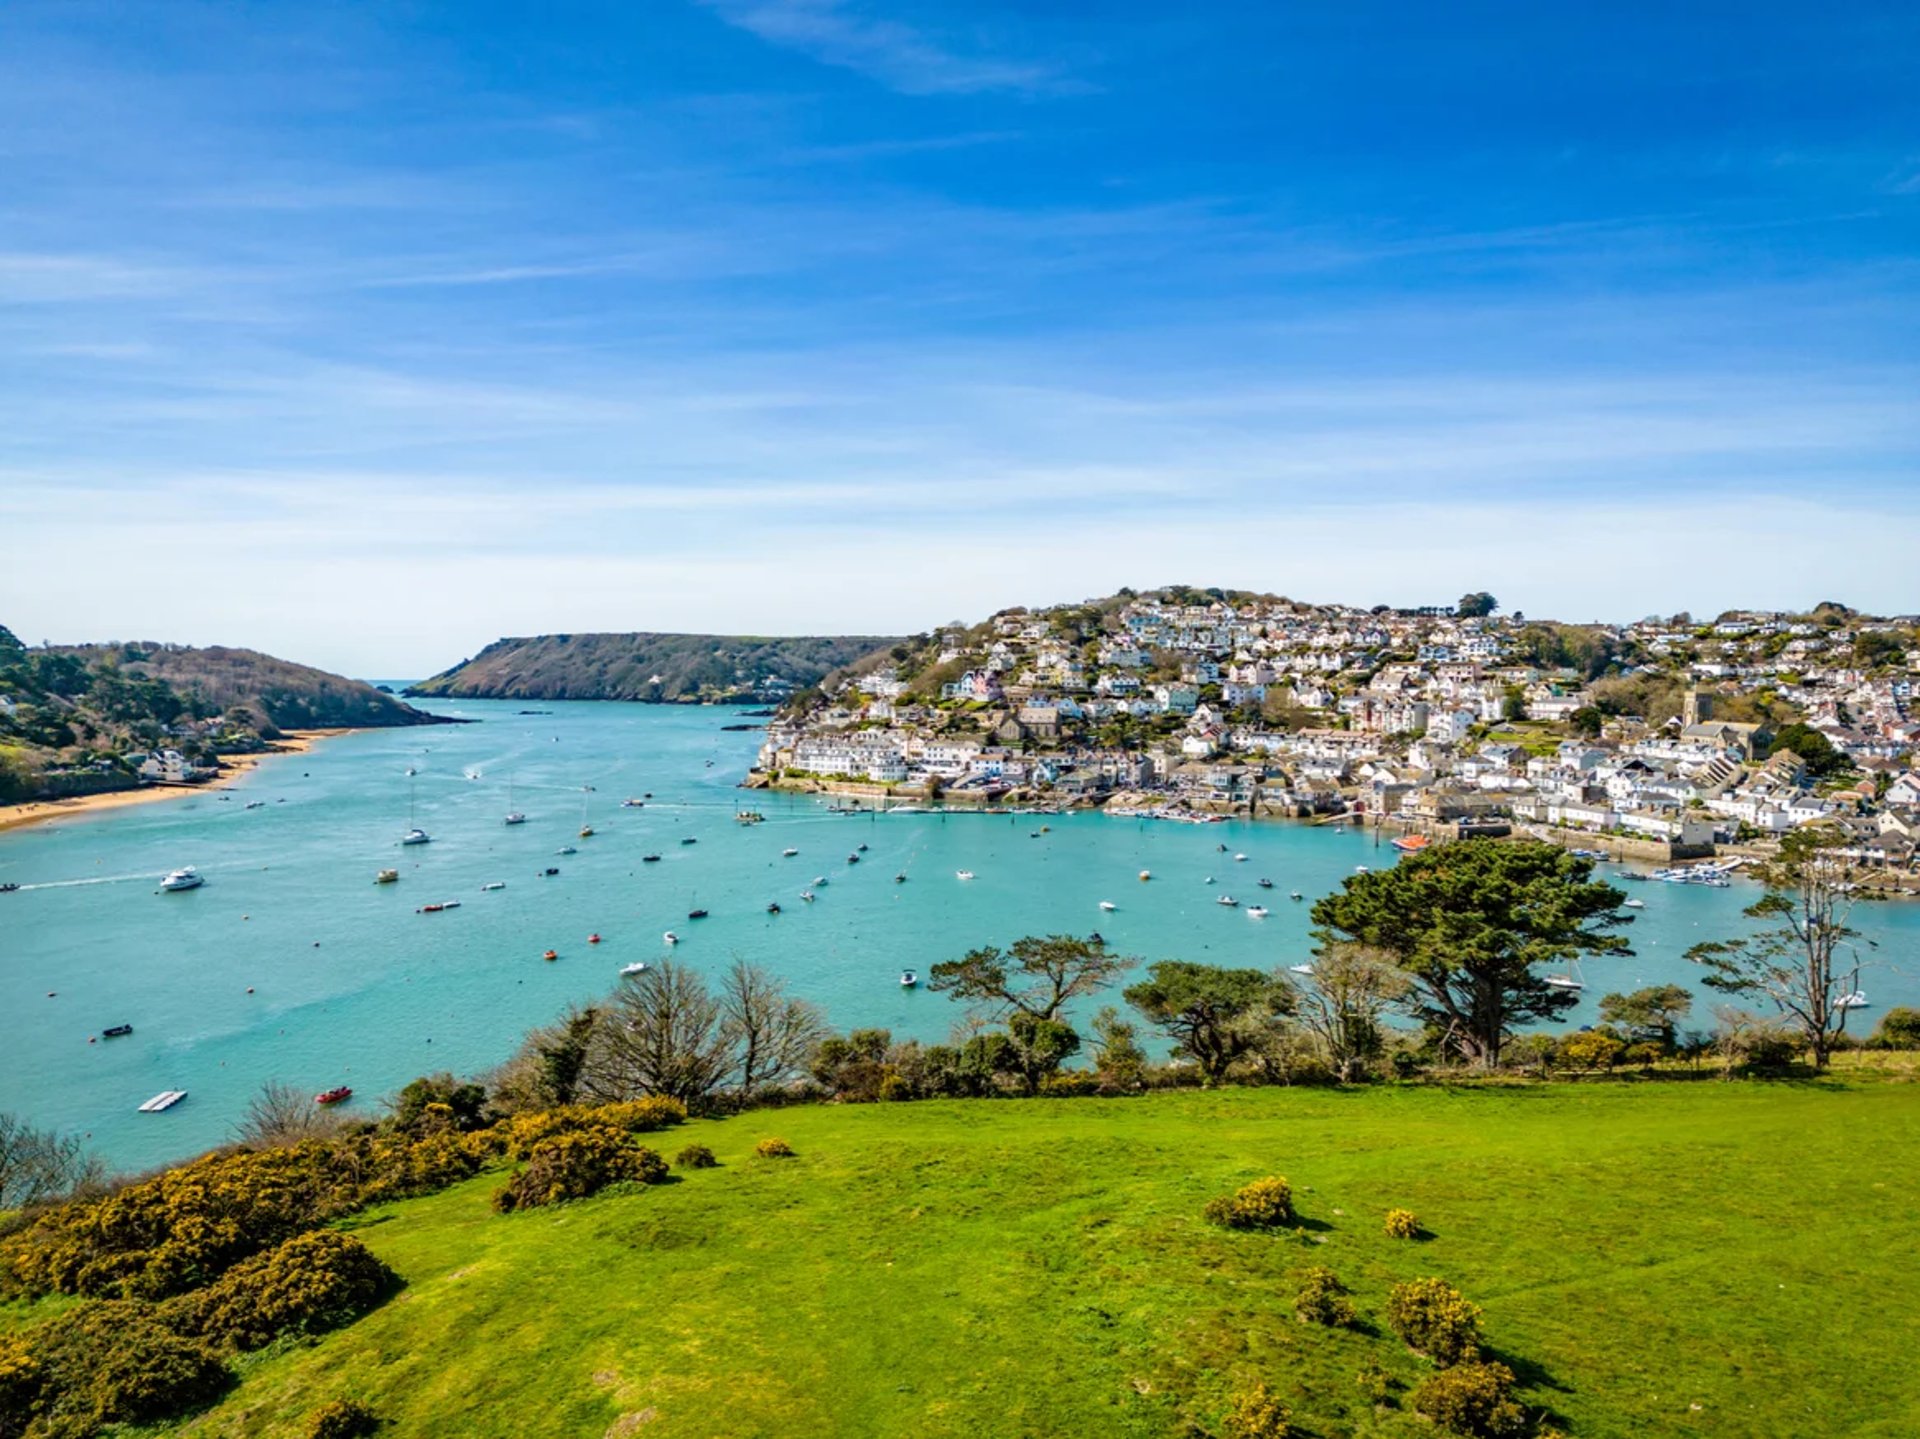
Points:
(1264, 1204)
(1403, 1224)
(636, 1116)
(343, 1419)
(115, 1363)
(1591, 1049)
(1472, 1399)
(311, 1283)
(1323, 1300)
(773, 1149)
(576, 1164)
(1435, 1320)
(1255, 1414)
(696, 1156)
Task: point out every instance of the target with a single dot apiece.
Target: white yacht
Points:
(416, 836)
(188, 878)
(1256, 911)
(788, 853)
(1563, 981)
(639, 966)
(1856, 1000)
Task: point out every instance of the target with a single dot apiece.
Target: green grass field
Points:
(1654, 1259)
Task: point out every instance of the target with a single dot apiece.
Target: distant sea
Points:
(292, 964)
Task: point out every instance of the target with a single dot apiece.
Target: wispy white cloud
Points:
(898, 56)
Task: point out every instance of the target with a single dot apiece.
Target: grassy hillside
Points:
(1654, 1259)
(657, 667)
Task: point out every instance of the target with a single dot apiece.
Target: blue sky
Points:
(366, 333)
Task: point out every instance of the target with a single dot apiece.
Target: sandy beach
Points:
(19, 816)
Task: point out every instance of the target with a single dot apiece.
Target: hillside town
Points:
(1672, 734)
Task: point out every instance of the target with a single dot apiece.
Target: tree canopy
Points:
(1037, 975)
(1207, 1010)
(1476, 606)
(1470, 921)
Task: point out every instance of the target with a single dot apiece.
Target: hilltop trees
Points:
(1469, 922)
(1476, 606)
(1213, 1015)
(1803, 960)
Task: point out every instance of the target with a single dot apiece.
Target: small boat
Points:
(116, 1031)
(1209, 879)
(670, 937)
(1564, 982)
(163, 1101)
(515, 818)
(1856, 1000)
(416, 836)
(696, 914)
(1361, 869)
(1296, 896)
(566, 849)
(493, 884)
(1264, 883)
(1096, 938)
(9, 887)
(908, 979)
(639, 966)
(333, 1096)
(1145, 875)
(551, 870)
(1411, 843)
(551, 954)
(853, 859)
(430, 909)
(1256, 911)
(188, 878)
(807, 895)
(1239, 859)
(593, 939)
(774, 908)
(1221, 848)
(1300, 969)
(788, 853)
(586, 831)
(1633, 904)
(963, 874)
(1108, 905)
(1228, 901)
(689, 840)
(749, 816)
(387, 876)
(631, 803)
(649, 859)
(257, 804)
(900, 878)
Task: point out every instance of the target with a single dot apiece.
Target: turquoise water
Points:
(291, 964)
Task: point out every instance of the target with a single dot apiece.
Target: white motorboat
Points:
(188, 878)
(1633, 904)
(670, 937)
(1361, 869)
(1239, 859)
(387, 876)
(788, 853)
(493, 884)
(1856, 1000)
(807, 895)
(515, 818)
(566, 849)
(1228, 900)
(963, 874)
(1256, 911)
(639, 966)
(908, 979)
(1300, 969)
(1108, 905)
(1296, 896)
(1145, 875)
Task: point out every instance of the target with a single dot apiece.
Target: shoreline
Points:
(233, 768)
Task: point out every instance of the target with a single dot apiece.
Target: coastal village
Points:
(1666, 737)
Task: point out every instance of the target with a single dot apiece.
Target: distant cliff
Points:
(661, 668)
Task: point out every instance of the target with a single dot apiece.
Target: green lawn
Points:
(1656, 1258)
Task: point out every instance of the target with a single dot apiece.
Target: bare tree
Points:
(662, 1033)
(280, 1115)
(1803, 960)
(773, 1035)
(38, 1166)
(1350, 991)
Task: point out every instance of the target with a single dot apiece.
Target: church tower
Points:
(1698, 708)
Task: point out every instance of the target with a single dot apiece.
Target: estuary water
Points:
(290, 963)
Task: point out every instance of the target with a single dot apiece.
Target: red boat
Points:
(551, 954)
(333, 1096)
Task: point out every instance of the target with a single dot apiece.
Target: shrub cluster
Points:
(1403, 1224)
(1264, 1204)
(1436, 1320)
(1472, 1399)
(310, 1284)
(696, 1156)
(575, 1164)
(184, 1228)
(1253, 1413)
(1322, 1299)
(103, 1363)
(519, 1135)
(343, 1419)
(773, 1149)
